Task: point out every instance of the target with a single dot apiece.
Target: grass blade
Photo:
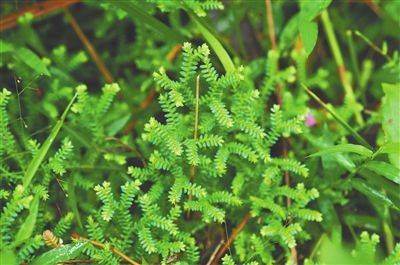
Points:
(372, 193)
(26, 229)
(72, 202)
(38, 159)
(345, 148)
(339, 119)
(215, 44)
(135, 12)
(32, 60)
(385, 169)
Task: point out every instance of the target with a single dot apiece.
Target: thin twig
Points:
(90, 48)
(112, 248)
(232, 237)
(174, 52)
(337, 54)
(246, 219)
(37, 9)
(271, 31)
(77, 261)
(196, 123)
(128, 147)
(142, 106)
(171, 56)
(215, 252)
(374, 7)
(270, 20)
(353, 57)
(373, 45)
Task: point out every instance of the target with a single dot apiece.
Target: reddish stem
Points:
(101, 245)
(231, 238)
(90, 48)
(36, 9)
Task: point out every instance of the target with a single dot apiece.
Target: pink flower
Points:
(310, 120)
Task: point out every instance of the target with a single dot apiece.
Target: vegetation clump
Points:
(225, 132)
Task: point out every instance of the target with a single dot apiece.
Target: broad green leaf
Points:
(289, 33)
(27, 227)
(5, 46)
(40, 155)
(309, 34)
(372, 193)
(136, 13)
(339, 119)
(215, 45)
(7, 256)
(345, 148)
(32, 60)
(391, 117)
(59, 254)
(310, 9)
(384, 169)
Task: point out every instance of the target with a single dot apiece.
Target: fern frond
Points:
(105, 195)
(109, 91)
(58, 161)
(64, 225)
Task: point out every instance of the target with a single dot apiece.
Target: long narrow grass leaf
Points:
(41, 154)
(27, 227)
(344, 148)
(215, 44)
(72, 202)
(384, 169)
(372, 193)
(339, 119)
(135, 12)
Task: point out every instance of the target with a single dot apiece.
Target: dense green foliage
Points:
(277, 147)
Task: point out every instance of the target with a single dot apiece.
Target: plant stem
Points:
(374, 7)
(272, 36)
(349, 93)
(77, 261)
(339, 119)
(353, 57)
(89, 47)
(196, 124)
(372, 45)
(37, 9)
(112, 248)
(270, 20)
(386, 226)
(231, 238)
(171, 56)
(174, 52)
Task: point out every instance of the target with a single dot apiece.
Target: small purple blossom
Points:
(310, 120)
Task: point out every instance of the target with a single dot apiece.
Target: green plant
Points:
(262, 146)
